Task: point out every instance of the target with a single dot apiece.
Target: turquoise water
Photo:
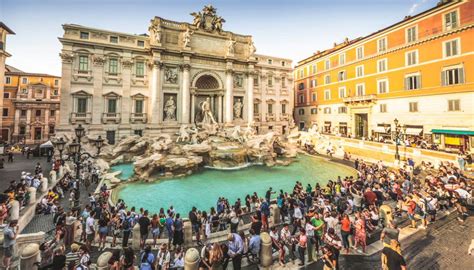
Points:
(126, 169)
(202, 189)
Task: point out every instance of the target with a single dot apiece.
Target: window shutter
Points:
(406, 83)
(418, 82)
(443, 78)
(461, 75)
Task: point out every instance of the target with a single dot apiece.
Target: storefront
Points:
(327, 127)
(452, 139)
(343, 128)
(381, 133)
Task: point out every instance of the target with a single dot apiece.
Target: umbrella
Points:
(47, 144)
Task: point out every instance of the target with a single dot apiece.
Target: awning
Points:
(453, 132)
(380, 130)
(47, 144)
(413, 131)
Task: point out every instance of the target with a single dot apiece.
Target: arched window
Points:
(207, 82)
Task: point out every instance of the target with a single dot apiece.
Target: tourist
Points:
(90, 231)
(288, 241)
(360, 238)
(265, 213)
(155, 228)
(277, 244)
(216, 256)
(127, 225)
(178, 261)
(319, 228)
(346, 232)
(163, 258)
(115, 225)
(333, 242)
(195, 223)
(302, 244)
(84, 258)
(169, 227)
(103, 231)
(3, 212)
(73, 256)
(389, 233)
(329, 260)
(254, 244)
(178, 234)
(235, 245)
(10, 233)
(146, 259)
(144, 223)
(127, 259)
(114, 261)
(392, 258)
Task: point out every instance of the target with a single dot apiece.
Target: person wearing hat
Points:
(72, 258)
(10, 233)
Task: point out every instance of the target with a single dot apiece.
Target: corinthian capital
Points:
(186, 67)
(66, 57)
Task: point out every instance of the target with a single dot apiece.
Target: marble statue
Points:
(171, 75)
(218, 21)
(231, 46)
(238, 109)
(183, 134)
(207, 117)
(207, 19)
(170, 110)
(238, 81)
(252, 48)
(187, 38)
(248, 132)
(235, 135)
(155, 33)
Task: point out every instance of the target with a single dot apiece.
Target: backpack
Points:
(126, 224)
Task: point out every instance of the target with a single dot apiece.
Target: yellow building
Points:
(419, 70)
(4, 31)
(30, 106)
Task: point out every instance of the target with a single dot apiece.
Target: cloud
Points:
(415, 6)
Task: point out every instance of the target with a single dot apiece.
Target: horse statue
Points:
(183, 134)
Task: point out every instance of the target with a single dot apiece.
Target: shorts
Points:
(143, 236)
(8, 251)
(103, 231)
(90, 237)
(196, 228)
(155, 232)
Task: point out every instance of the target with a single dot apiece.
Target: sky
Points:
(293, 29)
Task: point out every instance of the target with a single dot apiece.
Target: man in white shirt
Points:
(90, 231)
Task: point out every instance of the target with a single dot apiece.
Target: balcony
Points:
(111, 117)
(138, 117)
(284, 117)
(360, 99)
(81, 118)
(270, 117)
(257, 117)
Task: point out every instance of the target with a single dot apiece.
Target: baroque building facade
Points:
(30, 106)
(419, 70)
(118, 84)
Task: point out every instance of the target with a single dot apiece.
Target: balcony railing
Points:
(81, 117)
(365, 98)
(138, 117)
(111, 117)
(270, 117)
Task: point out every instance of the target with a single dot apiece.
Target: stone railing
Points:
(81, 117)
(138, 117)
(111, 117)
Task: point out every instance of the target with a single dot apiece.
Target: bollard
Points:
(136, 237)
(386, 214)
(276, 217)
(266, 259)
(61, 172)
(103, 260)
(44, 185)
(191, 259)
(32, 193)
(52, 177)
(29, 256)
(15, 210)
(188, 234)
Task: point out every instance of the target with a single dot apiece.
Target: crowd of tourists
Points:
(317, 221)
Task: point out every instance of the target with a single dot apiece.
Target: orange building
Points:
(4, 31)
(419, 70)
(30, 106)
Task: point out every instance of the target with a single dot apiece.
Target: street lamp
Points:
(60, 144)
(80, 132)
(99, 142)
(400, 131)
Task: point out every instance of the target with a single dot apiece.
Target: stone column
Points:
(188, 234)
(229, 88)
(46, 124)
(65, 98)
(32, 192)
(98, 100)
(266, 259)
(191, 259)
(15, 210)
(155, 92)
(136, 237)
(29, 256)
(126, 100)
(185, 94)
(28, 124)
(193, 105)
(219, 109)
(250, 97)
(103, 260)
(16, 128)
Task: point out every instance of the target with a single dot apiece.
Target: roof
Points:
(9, 70)
(406, 19)
(2, 25)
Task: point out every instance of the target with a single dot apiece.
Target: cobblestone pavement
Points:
(12, 171)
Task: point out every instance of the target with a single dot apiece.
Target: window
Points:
(452, 75)
(383, 108)
(113, 39)
(360, 89)
(313, 83)
(301, 98)
(270, 108)
(454, 105)
(315, 69)
(5, 112)
(413, 106)
(6, 95)
(301, 86)
(55, 92)
(139, 106)
(301, 112)
(110, 135)
(138, 132)
(341, 76)
(360, 53)
(411, 34)
(140, 43)
(283, 108)
(256, 108)
(22, 130)
(451, 48)
(23, 113)
(359, 71)
(38, 113)
(342, 92)
(382, 65)
(327, 110)
(113, 66)
(56, 82)
(84, 35)
(52, 112)
(411, 58)
(81, 105)
(327, 79)
(255, 81)
(382, 44)
(382, 86)
(314, 97)
(451, 20)
(342, 59)
(314, 111)
(140, 69)
(111, 105)
(283, 82)
(270, 61)
(24, 91)
(270, 81)
(24, 80)
(83, 63)
(342, 109)
(283, 63)
(327, 64)
(327, 94)
(8, 80)
(412, 82)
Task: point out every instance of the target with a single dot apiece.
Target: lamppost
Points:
(400, 131)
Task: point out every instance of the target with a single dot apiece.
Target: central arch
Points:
(206, 84)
